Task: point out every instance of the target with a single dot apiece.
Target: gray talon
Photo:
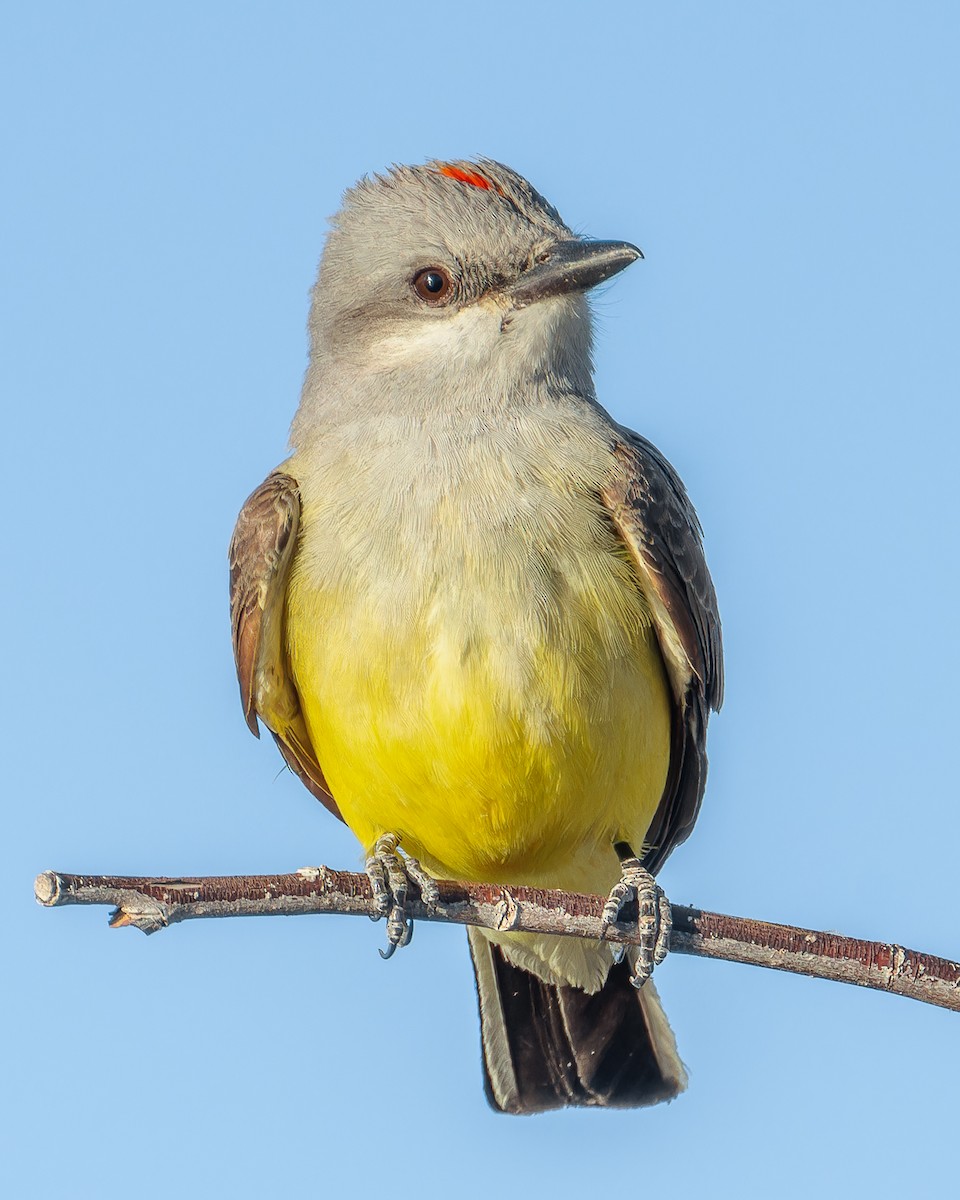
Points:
(390, 875)
(378, 884)
(429, 890)
(653, 920)
(394, 939)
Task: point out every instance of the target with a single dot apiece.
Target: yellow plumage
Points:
(504, 710)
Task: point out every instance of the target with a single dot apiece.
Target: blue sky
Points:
(791, 172)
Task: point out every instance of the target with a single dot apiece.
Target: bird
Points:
(474, 612)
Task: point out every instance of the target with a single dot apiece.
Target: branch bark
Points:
(153, 904)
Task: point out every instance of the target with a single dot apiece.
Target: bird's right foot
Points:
(390, 874)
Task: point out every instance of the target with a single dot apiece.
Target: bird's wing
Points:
(261, 552)
(653, 514)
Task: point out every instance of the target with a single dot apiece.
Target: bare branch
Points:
(152, 904)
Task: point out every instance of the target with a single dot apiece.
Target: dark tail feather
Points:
(547, 1046)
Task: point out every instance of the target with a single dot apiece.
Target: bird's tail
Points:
(551, 1046)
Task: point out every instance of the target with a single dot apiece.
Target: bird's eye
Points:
(433, 284)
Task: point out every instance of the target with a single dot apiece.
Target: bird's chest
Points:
(489, 561)
(485, 641)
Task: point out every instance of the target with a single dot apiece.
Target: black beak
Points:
(573, 266)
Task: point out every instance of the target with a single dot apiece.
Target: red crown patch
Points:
(474, 178)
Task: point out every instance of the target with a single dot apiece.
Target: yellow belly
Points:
(508, 723)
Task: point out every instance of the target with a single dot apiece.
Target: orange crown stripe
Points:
(467, 177)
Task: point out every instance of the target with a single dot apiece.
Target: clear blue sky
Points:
(791, 172)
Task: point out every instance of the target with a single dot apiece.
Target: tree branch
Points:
(152, 904)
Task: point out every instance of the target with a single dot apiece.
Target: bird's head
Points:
(457, 271)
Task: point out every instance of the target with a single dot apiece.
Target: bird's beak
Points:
(573, 266)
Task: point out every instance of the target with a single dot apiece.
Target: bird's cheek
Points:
(533, 330)
(465, 336)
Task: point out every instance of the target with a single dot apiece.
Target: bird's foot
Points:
(637, 901)
(390, 874)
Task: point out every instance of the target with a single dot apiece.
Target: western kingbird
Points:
(474, 611)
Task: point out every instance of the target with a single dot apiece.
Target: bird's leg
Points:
(390, 874)
(638, 900)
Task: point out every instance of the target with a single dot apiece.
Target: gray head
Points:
(453, 275)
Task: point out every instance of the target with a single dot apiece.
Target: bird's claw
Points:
(390, 874)
(648, 909)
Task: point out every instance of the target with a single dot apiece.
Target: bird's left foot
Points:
(638, 901)
(390, 874)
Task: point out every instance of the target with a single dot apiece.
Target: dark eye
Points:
(433, 284)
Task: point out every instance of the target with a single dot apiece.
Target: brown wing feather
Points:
(653, 514)
(261, 551)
